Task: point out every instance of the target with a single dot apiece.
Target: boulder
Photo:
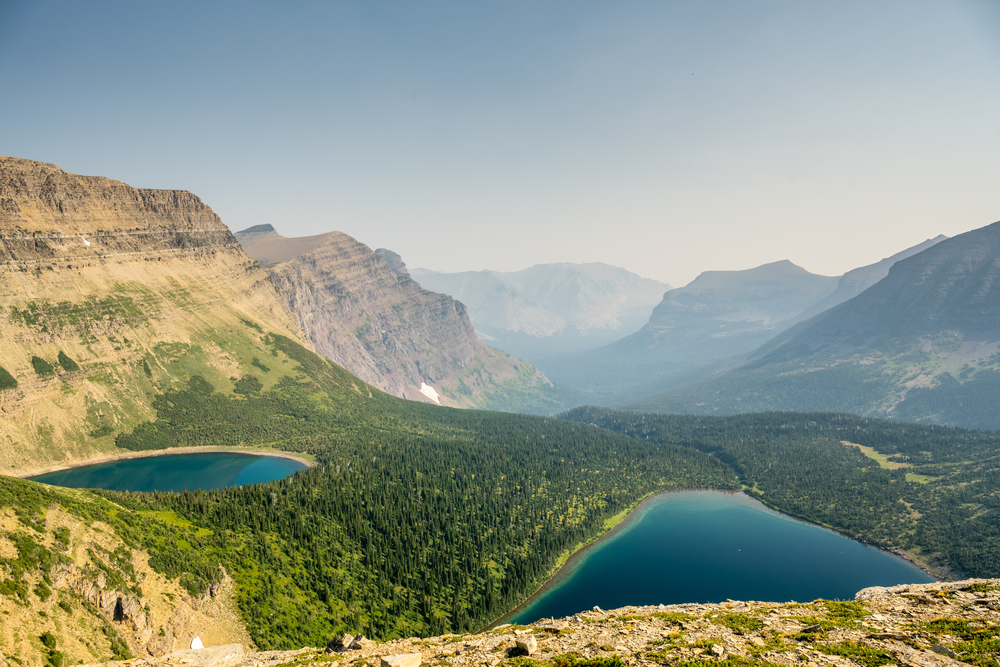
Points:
(526, 644)
(401, 660)
(340, 643)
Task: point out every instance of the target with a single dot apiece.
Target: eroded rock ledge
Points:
(925, 625)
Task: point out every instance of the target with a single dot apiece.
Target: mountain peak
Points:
(258, 229)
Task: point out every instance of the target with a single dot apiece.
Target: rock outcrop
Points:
(108, 295)
(925, 625)
(360, 309)
(102, 598)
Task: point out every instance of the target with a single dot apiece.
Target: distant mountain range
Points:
(360, 309)
(922, 344)
(550, 309)
(703, 327)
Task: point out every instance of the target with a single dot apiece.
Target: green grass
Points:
(171, 518)
(740, 623)
(868, 656)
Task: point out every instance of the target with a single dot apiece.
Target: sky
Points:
(668, 138)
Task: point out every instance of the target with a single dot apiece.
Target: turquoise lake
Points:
(707, 546)
(175, 472)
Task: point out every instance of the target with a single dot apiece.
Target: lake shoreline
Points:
(249, 451)
(565, 569)
(900, 554)
(562, 570)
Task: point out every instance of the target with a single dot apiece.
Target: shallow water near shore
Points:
(709, 546)
(175, 472)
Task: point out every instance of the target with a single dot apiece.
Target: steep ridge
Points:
(108, 295)
(382, 326)
(551, 309)
(856, 281)
(922, 345)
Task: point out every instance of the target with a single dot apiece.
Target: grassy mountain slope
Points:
(110, 295)
(376, 322)
(920, 345)
(84, 580)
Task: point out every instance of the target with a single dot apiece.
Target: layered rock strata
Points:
(360, 309)
(108, 295)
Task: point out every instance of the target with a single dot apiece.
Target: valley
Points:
(135, 324)
(499, 334)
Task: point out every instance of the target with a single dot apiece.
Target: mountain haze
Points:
(360, 309)
(856, 281)
(694, 329)
(550, 309)
(920, 345)
(704, 327)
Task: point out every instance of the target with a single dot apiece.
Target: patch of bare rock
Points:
(944, 624)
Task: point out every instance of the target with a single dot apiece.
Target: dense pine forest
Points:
(419, 520)
(931, 490)
(416, 520)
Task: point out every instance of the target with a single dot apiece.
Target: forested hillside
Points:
(417, 520)
(932, 491)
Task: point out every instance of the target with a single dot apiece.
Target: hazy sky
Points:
(665, 137)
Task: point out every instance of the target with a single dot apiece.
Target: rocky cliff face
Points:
(924, 625)
(367, 315)
(108, 295)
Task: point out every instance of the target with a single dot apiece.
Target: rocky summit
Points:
(925, 625)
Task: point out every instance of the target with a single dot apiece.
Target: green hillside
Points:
(417, 520)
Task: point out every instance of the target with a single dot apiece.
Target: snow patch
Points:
(85, 242)
(430, 392)
(196, 643)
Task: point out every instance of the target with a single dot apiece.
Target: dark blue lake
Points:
(175, 472)
(707, 546)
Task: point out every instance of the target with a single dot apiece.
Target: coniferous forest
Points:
(416, 520)
(420, 520)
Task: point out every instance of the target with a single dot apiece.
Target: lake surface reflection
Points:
(707, 546)
(175, 472)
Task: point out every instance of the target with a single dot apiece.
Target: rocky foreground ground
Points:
(925, 625)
